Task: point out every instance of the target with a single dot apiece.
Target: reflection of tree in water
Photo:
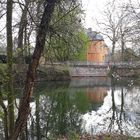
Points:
(57, 113)
(121, 114)
(118, 115)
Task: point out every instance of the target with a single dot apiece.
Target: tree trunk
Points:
(113, 50)
(25, 40)
(24, 107)
(9, 67)
(22, 26)
(122, 46)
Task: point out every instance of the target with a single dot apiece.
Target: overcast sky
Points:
(93, 10)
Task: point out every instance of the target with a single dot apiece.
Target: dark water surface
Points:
(83, 105)
(87, 105)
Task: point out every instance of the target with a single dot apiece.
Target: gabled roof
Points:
(93, 35)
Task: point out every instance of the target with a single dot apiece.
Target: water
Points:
(93, 105)
(119, 113)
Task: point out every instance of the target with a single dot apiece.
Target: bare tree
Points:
(119, 25)
(134, 34)
(125, 26)
(110, 24)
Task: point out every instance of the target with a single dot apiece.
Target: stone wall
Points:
(88, 71)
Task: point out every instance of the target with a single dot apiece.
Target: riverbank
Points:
(53, 73)
(61, 73)
(44, 73)
(128, 71)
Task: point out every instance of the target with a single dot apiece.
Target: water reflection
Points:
(59, 108)
(83, 105)
(64, 109)
(58, 111)
(120, 113)
(96, 96)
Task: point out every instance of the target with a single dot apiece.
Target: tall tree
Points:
(9, 66)
(110, 25)
(22, 27)
(125, 23)
(24, 107)
(64, 40)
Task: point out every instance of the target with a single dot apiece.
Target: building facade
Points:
(97, 50)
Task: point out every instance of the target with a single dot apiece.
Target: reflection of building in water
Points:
(96, 95)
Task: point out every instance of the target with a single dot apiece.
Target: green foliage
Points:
(73, 136)
(80, 100)
(81, 54)
(66, 36)
(63, 108)
(3, 73)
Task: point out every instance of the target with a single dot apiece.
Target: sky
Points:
(93, 10)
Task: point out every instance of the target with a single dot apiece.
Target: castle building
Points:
(97, 51)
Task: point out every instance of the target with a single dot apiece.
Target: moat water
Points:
(83, 106)
(87, 105)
